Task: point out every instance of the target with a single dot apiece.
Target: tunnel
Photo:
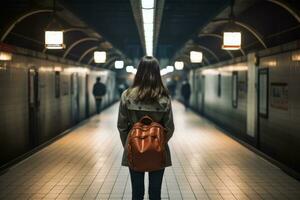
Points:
(217, 80)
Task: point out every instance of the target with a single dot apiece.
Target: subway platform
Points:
(207, 164)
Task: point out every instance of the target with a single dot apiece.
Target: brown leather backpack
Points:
(146, 146)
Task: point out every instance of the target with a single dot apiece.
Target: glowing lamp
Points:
(170, 68)
(148, 15)
(119, 64)
(147, 4)
(296, 57)
(196, 56)
(5, 56)
(99, 56)
(179, 65)
(134, 71)
(231, 40)
(163, 71)
(129, 69)
(54, 40)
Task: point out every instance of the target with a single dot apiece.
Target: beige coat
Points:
(130, 112)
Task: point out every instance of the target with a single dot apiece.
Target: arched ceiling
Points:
(185, 25)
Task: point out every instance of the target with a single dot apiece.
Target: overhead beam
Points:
(77, 43)
(83, 30)
(209, 51)
(246, 26)
(19, 19)
(289, 9)
(112, 59)
(87, 52)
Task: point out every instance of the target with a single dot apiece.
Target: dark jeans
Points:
(98, 105)
(138, 187)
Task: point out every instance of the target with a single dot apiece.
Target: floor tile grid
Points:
(262, 168)
(213, 185)
(185, 174)
(79, 150)
(111, 176)
(71, 174)
(98, 166)
(207, 190)
(207, 158)
(17, 172)
(248, 177)
(238, 192)
(20, 171)
(171, 183)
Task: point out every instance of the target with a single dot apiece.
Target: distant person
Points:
(146, 97)
(186, 93)
(171, 85)
(99, 90)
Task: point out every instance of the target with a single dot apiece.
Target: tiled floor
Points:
(207, 164)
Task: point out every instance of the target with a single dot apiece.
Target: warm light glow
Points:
(57, 69)
(296, 57)
(232, 68)
(5, 56)
(231, 40)
(54, 40)
(99, 56)
(45, 69)
(179, 65)
(119, 64)
(210, 72)
(196, 56)
(147, 3)
(77, 69)
(271, 63)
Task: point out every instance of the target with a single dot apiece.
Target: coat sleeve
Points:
(168, 122)
(123, 122)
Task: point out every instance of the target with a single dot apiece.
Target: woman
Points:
(147, 96)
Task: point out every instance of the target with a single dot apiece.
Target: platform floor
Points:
(207, 164)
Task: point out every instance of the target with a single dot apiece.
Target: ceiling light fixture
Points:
(5, 56)
(119, 64)
(54, 38)
(147, 4)
(170, 69)
(129, 69)
(179, 65)
(148, 24)
(99, 56)
(196, 56)
(232, 38)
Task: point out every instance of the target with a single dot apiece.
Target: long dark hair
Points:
(147, 81)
